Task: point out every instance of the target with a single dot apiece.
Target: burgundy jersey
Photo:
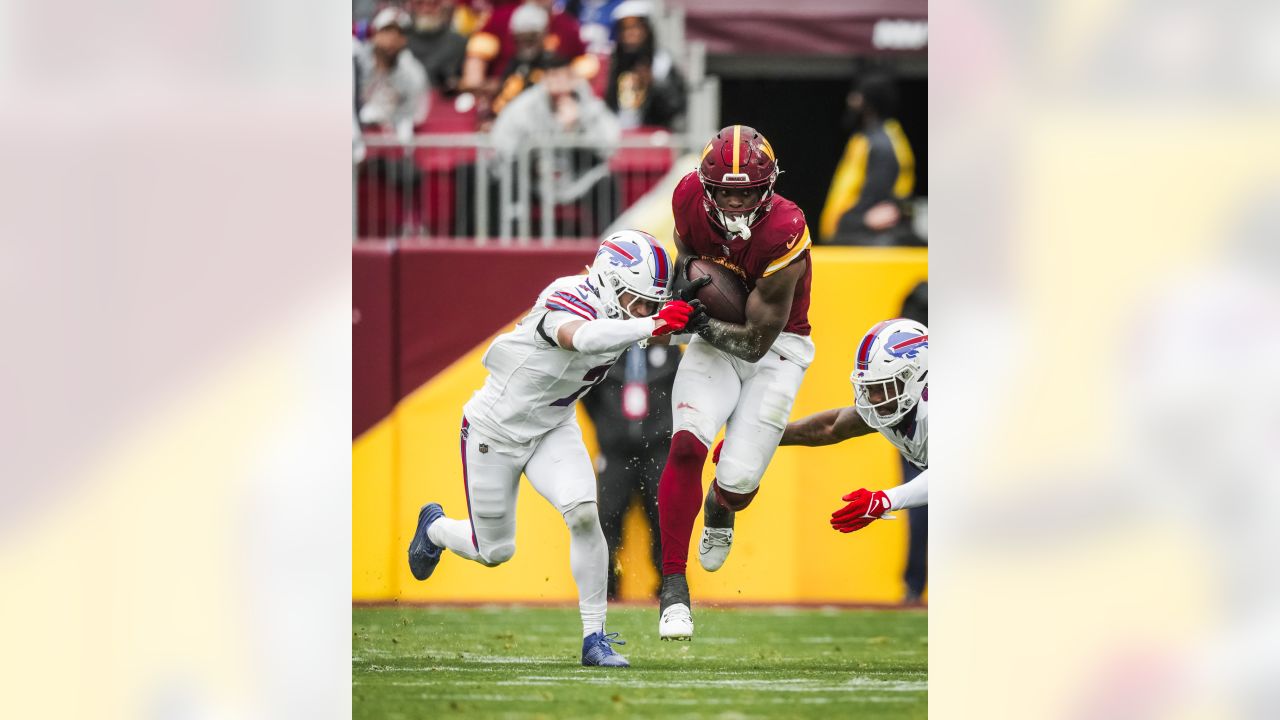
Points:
(780, 238)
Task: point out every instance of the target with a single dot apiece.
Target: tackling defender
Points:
(523, 420)
(891, 395)
(744, 375)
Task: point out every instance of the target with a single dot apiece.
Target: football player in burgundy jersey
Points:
(741, 377)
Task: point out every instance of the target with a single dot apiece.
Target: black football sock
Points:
(715, 515)
(675, 590)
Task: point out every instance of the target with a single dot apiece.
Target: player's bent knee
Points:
(498, 554)
(583, 518)
(732, 500)
(738, 477)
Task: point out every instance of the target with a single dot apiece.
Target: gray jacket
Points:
(530, 116)
(396, 99)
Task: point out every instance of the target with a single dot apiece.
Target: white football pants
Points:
(560, 469)
(713, 388)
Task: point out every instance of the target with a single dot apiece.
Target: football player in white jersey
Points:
(891, 395)
(523, 421)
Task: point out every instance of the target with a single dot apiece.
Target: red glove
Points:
(715, 456)
(865, 506)
(675, 314)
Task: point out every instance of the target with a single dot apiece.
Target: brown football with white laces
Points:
(725, 297)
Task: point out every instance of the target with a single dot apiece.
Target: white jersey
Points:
(533, 384)
(913, 437)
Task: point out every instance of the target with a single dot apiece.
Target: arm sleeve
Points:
(602, 336)
(911, 494)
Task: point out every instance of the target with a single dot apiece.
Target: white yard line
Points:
(784, 685)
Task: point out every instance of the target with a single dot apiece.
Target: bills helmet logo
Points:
(622, 253)
(905, 344)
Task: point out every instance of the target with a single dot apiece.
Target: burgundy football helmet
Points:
(738, 157)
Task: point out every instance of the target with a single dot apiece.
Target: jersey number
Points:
(594, 377)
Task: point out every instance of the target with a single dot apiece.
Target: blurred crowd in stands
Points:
(580, 72)
(479, 56)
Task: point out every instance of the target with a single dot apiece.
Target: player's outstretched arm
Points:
(606, 335)
(867, 505)
(826, 428)
(767, 309)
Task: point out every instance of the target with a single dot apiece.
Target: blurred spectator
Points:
(362, 10)
(391, 94)
(631, 410)
(393, 85)
(562, 106)
(435, 44)
(916, 574)
(529, 28)
(876, 175)
(469, 15)
(595, 17)
(645, 87)
(357, 138)
(491, 48)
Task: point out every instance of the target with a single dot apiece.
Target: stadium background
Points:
(425, 307)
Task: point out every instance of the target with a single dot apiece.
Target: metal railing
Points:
(458, 185)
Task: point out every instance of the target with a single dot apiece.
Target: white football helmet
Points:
(630, 261)
(889, 374)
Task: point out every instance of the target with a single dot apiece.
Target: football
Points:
(725, 297)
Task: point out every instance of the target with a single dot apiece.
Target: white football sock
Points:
(455, 535)
(589, 562)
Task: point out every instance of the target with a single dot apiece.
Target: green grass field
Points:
(427, 662)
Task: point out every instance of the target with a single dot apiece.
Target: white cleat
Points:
(676, 623)
(714, 548)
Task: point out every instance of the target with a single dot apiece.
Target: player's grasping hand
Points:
(690, 291)
(864, 506)
(673, 317)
